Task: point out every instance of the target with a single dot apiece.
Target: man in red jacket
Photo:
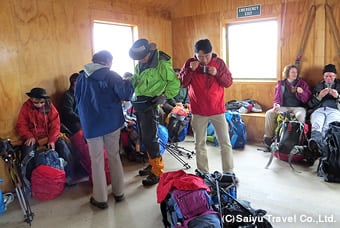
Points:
(206, 76)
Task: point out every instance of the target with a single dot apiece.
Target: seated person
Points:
(291, 94)
(325, 106)
(68, 110)
(38, 124)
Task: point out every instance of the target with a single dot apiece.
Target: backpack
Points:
(234, 212)
(290, 141)
(189, 209)
(237, 129)
(178, 124)
(48, 178)
(329, 163)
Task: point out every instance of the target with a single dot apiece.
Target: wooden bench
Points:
(255, 126)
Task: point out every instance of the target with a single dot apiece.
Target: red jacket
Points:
(206, 92)
(180, 180)
(33, 122)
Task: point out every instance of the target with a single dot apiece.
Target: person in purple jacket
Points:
(292, 95)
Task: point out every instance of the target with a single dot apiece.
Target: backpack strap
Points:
(164, 215)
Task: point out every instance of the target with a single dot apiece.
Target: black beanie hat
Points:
(329, 68)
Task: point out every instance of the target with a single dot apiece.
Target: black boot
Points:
(314, 143)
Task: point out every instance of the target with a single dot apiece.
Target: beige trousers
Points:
(96, 145)
(199, 126)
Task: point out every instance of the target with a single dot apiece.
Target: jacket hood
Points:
(90, 68)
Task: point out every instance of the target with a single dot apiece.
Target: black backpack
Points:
(291, 141)
(329, 163)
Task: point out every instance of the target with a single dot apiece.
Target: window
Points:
(116, 39)
(253, 50)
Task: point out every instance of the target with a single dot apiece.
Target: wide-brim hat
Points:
(139, 49)
(39, 93)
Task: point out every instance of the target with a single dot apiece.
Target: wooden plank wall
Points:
(43, 41)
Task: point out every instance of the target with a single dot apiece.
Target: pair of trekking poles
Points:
(9, 154)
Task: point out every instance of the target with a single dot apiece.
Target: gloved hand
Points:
(159, 100)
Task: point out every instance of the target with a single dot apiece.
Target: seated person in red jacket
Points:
(38, 124)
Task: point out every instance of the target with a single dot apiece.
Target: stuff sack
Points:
(329, 164)
(80, 146)
(190, 209)
(47, 182)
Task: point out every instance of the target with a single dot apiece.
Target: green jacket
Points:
(156, 77)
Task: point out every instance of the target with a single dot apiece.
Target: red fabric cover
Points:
(124, 138)
(285, 157)
(179, 180)
(81, 147)
(47, 182)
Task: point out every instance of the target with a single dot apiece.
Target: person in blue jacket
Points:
(99, 93)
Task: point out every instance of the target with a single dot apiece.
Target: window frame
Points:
(225, 47)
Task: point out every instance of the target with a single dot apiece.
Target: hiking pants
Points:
(96, 145)
(199, 126)
(148, 127)
(271, 118)
(322, 117)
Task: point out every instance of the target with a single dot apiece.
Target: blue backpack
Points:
(237, 130)
(189, 209)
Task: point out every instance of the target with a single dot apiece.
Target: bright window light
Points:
(253, 50)
(116, 39)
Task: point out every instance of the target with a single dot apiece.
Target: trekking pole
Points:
(310, 19)
(332, 24)
(12, 166)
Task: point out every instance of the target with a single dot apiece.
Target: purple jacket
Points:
(303, 97)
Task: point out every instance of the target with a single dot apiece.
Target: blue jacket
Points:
(99, 93)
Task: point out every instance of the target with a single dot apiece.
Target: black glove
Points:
(159, 100)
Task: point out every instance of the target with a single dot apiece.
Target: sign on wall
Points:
(249, 11)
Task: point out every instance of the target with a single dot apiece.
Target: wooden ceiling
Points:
(166, 5)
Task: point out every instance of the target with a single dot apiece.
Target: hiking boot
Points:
(150, 180)
(146, 171)
(268, 141)
(101, 205)
(314, 147)
(119, 198)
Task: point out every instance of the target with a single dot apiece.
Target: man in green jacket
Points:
(154, 81)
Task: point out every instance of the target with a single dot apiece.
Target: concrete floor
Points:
(285, 195)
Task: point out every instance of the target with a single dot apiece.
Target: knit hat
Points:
(329, 68)
(139, 49)
(102, 57)
(39, 93)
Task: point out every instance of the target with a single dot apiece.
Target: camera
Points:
(204, 69)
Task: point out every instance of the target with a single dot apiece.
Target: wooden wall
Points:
(206, 18)
(42, 42)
